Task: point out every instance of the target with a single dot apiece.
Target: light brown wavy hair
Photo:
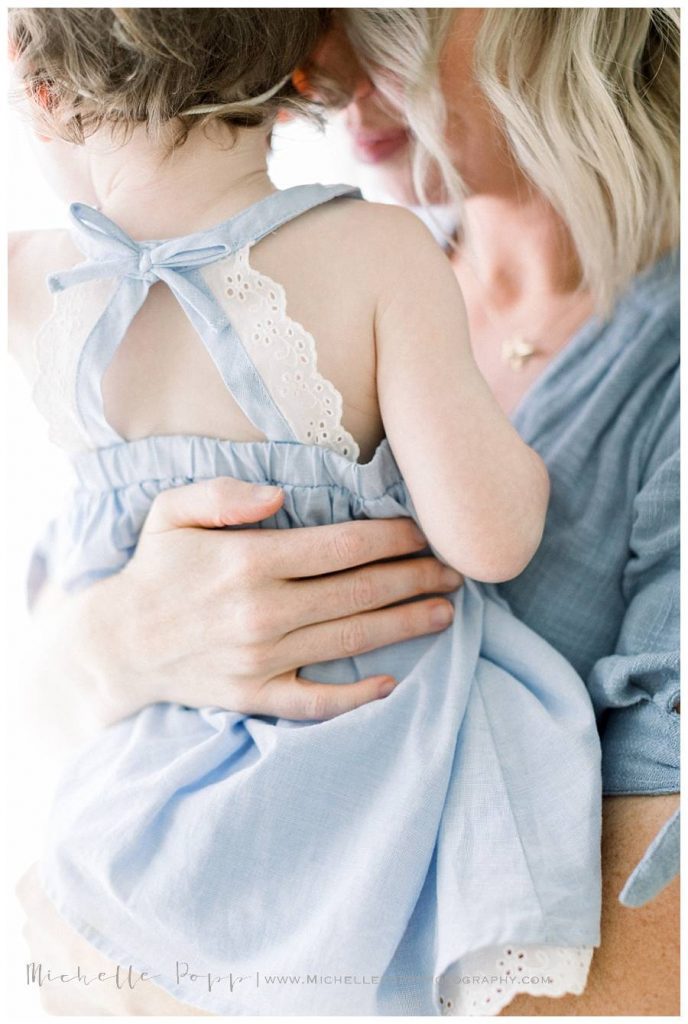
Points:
(166, 68)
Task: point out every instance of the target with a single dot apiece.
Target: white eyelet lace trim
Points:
(57, 348)
(483, 983)
(282, 351)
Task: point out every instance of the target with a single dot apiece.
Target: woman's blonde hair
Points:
(169, 68)
(588, 99)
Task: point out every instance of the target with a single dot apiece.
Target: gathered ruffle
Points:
(116, 486)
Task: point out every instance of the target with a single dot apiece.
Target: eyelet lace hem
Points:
(483, 983)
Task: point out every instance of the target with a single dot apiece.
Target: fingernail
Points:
(441, 615)
(387, 687)
(450, 578)
(260, 494)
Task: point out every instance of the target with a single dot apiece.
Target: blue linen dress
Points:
(220, 852)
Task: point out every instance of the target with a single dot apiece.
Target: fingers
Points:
(212, 504)
(302, 699)
(318, 550)
(319, 599)
(356, 634)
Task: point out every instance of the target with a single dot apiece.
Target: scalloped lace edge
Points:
(283, 352)
(484, 982)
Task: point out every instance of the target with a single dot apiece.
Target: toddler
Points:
(204, 324)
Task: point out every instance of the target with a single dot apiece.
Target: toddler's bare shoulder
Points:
(377, 224)
(32, 255)
(368, 242)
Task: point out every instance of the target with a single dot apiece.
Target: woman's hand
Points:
(204, 616)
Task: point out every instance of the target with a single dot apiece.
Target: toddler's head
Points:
(92, 68)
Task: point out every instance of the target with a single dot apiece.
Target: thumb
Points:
(212, 504)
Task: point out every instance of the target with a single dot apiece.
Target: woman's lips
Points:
(374, 148)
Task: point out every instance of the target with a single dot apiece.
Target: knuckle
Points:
(430, 576)
(348, 545)
(241, 557)
(286, 704)
(251, 661)
(216, 497)
(363, 591)
(353, 636)
(161, 503)
(409, 534)
(317, 705)
(253, 623)
(162, 498)
(411, 621)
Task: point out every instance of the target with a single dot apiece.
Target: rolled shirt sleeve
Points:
(640, 680)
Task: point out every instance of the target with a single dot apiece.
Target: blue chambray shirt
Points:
(604, 586)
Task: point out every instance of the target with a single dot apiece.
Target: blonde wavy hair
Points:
(168, 68)
(588, 100)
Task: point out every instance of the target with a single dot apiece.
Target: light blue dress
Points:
(376, 849)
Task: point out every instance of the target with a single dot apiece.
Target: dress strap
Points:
(111, 253)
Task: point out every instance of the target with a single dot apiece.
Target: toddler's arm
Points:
(480, 492)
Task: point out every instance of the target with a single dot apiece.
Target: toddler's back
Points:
(302, 301)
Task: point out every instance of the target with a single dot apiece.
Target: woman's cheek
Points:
(474, 137)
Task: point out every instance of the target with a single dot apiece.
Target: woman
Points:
(569, 212)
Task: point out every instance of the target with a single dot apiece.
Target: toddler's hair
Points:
(167, 68)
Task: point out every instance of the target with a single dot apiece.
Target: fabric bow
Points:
(141, 264)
